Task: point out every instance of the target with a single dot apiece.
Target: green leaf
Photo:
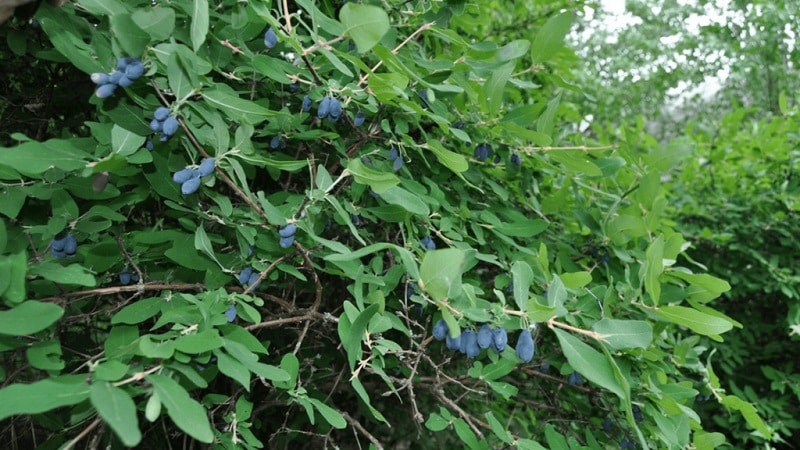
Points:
(696, 321)
(29, 317)
(125, 142)
(621, 334)
(184, 411)
(238, 109)
(749, 413)
(653, 266)
(453, 161)
(365, 24)
(356, 334)
(131, 38)
(378, 181)
(159, 22)
(590, 363)
(494, 86)
(440, 272)
(708, 441)
(233, 369)
(12, 278)
(73, 274)
(201, 342)
(550, 37)
(522, 276)
(138, 312)
(117, 409)
(35, 158)
(332, 416)
(203, 243)
(199, 23)
(408, 201)
(42, 396)
(522, 228)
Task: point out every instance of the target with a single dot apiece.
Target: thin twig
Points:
(363, 431)
(82, 434)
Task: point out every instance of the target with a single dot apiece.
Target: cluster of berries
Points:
(287, 233)
(482, 152)
(125, 277)
(470, 342)
(270, 38)
(164, 123)
(63, 246)
(626, 444)
(248, 277)
(189, 178)
(329, 107)
(128, 70)
(394, 157)
(427, 243)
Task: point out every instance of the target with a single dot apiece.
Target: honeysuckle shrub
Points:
(377, 168)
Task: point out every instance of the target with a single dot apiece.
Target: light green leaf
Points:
(203, 243)
(201, 342)
(12, 278)
(410, 202)
(696, 321)
(125, 142)
(35, 158)
(440, 272)
(131, 38)
(708, 441)
(159, 22)
(590, 363)
(494, 86)
(620, 334)
(73, 274)
(233, 369)
(199, 23)
(365, 24)
(653, 266)
(522, 228)
(29, 317)
(332, 416)
(238, 109)
(452, 160)
(184, 411)
(550, 37)
(378, 181)
(749, 413)
(117, 409)
(42, 396)
(522, 278)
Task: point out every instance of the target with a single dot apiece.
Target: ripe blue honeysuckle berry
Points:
(230, 313)
(499, 339)
(252, 281)
(324, 107)
(161, 113)
(359, 118)
(190, 186)
(156, 125)
(515, 159)
(275, 142)
(244, 275)
(307, 103)
(148, 145)
(125, 277)
(115, 76)
(335, 110)
(453, 343)
(105, 90)
(270, 38)
(428, 243)
(393, 153)
(170, 126)
(206, 167)
(471, 347)
(135, 70)
(525, 347)
(484, 336)
(70, 245)
(125, 81)
(440, 330)
(397, 164)
(100, 78)
(287, 230)
(286, 242)
(184, 175)
(575, 379)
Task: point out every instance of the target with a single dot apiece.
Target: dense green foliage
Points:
(284, 294)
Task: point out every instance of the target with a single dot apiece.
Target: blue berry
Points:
(428, 243)
(122, 63)
(230, 313)
(206, 167)
(307, 104)
(125, 277)
(607, 425)
(515, 159)
(525, 346)
(70, 245)
(275, 142)
(184, 175)
(484, 336)
(471, 347)
(324, 107)
(100, 78)
(270, 38)
(124, 81)
(156, 125)
(134, 70)
(440, 330)
(637, 414)
(575, 379)
(252, 281)
(499, 339)
(244, 275)
(170, 126)
(190, 186)
(335, 110)
(294, 87)
(288, 230)
(105, 90)
(286, 242)
(115, 76)
(393, 154)
(161, 113)
(359, 119)
(453, 343)
(148, 145)
(397, 164)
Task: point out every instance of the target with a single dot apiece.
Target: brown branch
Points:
(82, 434)
(363, 431)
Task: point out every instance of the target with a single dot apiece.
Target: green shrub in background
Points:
(376, 169)
(742, 215)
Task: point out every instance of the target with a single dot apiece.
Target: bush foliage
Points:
(288, 297)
